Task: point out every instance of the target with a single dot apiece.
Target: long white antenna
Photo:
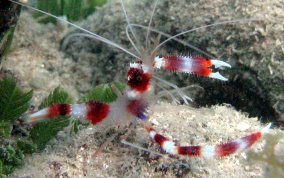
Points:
(149, 25)
(95, 36)
(127, 21)
(205, 26)
(175, 39)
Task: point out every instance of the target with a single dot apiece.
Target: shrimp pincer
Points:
(192, 65)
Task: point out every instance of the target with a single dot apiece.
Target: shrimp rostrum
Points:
(132, 104)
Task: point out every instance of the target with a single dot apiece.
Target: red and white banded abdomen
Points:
(120, 111)
(94, 112)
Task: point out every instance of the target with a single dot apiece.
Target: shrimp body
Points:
(95, 112)
(132, 104)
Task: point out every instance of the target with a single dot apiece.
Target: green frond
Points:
(5, 129)
(27, 147)
(103, 93)
(57, 96)
(13, 101)
(43, 132)
(11, 158)
(1, 169)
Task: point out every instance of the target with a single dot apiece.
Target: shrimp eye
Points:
(139, 78)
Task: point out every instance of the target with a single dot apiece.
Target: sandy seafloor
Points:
(39, 65)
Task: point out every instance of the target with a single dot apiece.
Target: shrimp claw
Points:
(191, 64)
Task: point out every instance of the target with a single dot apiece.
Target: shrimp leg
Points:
(221, 150)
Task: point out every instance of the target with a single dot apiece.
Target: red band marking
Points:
(174, 63)
(226, 149)
(200, 66)
(202, 62)
(189, 150)
(251, 139)
(205, 72)
(59, 110)
(160, 139)
(96, 112)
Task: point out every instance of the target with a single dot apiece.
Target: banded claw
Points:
(191, 64)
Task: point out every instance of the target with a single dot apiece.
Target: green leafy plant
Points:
(13, 103)
(72, 9)
(103, 93)
(9, 13)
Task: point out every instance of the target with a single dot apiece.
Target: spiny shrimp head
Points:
(139, 77)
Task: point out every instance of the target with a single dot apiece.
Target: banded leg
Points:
(221, 150)
(192, 65)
